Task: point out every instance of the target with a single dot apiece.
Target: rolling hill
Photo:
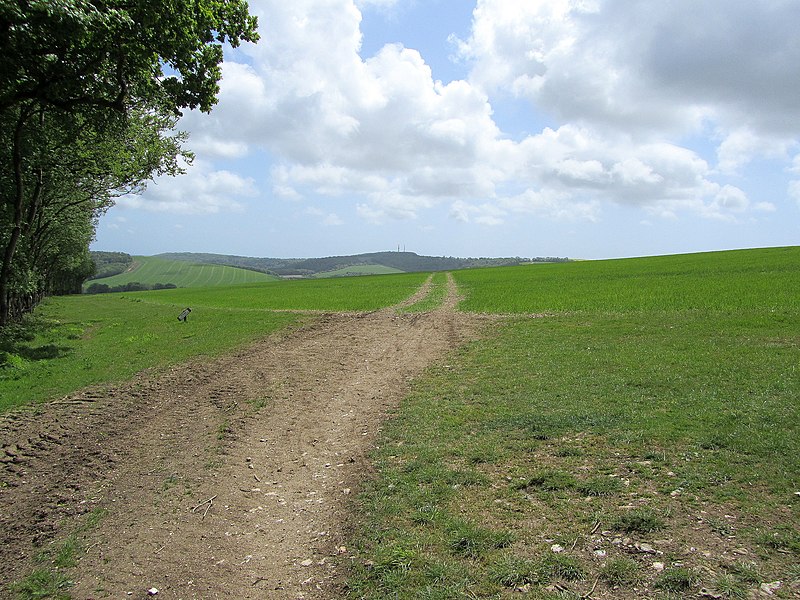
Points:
(153, 270)
(332, 266)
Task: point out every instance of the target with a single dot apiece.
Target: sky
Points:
(572, 128)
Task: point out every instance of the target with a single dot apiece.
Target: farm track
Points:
(231, 478)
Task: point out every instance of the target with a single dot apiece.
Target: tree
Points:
(90, 91)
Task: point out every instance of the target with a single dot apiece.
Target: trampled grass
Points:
(630, 447)
(151, 270)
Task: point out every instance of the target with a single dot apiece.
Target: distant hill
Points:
(407, 262)
(148, 272)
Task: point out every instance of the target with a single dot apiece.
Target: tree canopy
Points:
(90, 93)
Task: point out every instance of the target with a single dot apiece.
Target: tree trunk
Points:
(16, 230)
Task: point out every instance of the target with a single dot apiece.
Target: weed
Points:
(677, 579)
(224, 429)
(638, 520)
(513, 571)
(561, 566)
(472, 541)
(620, 571)
(600, 486)
(550, 480)
(729, 587)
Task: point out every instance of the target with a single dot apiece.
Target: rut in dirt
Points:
(228, 479)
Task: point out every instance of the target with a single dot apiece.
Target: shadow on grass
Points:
(17, 339)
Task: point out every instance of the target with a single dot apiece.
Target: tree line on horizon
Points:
(90, 94)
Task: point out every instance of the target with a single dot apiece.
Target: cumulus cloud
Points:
(644, 65)
(626, 81)
(202, 190)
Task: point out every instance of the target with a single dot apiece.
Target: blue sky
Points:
(580, 128)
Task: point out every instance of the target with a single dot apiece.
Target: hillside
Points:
(407, 262)
(156, 271)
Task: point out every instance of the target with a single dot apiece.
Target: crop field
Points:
(642, 440)
(151, 270)
(756, 280)
(359, 270)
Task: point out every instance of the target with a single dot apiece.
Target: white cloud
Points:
(794, 190)
(382, 133)
(201, 190)
(644, 65)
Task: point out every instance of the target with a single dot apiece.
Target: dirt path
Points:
(227, 479)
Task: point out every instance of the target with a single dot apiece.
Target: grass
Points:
(763, 279)
(151, 270)
(78, 341)
(337, 294)
(434, 298)
(623, 428)
(50, 578)
(358, 270)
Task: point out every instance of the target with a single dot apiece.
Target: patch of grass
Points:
(43, 583)
(729, 587)
(370, 292)
(600, 486)
(513, 571)
(747, 572)
(783, 538)
(473, 541)
(549, 480)
(118, 339)
(152, 269)
(676, 579)
(639, 520)
(620, 571)
(562, 566)
(435, 296)
(50, 580)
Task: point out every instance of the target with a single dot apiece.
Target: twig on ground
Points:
(209, 502)
(588, 594)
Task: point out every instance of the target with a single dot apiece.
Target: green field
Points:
(629, 413)
(656, 406)
(337, 294)
(77, 341)
(150, 270)
(359, 270)
(764, 279)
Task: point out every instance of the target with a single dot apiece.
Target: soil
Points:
(231, 478)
